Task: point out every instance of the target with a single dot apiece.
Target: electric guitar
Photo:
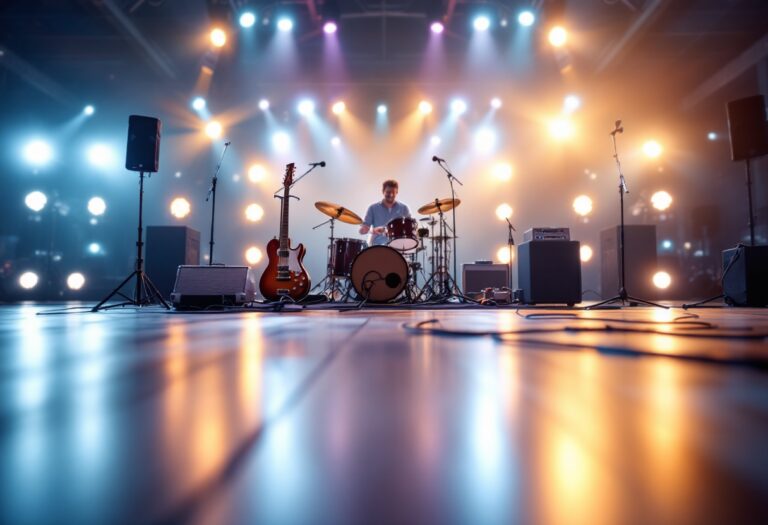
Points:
(285, 275)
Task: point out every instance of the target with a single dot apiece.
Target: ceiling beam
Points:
(34, 77)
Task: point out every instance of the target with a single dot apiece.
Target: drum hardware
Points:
(441, 285)
(402, 234)
(379, 274)
(338, 265)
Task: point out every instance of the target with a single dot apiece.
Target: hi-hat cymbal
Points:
(338, 212)
(439, 205)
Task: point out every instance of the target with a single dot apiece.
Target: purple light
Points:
(330, 28)
(437, 27)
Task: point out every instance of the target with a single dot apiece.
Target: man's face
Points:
(389, 194)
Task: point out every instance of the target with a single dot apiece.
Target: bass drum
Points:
(379, 274)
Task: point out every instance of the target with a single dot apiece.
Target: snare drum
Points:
(379, 274)
(344, 252)
(402, 234)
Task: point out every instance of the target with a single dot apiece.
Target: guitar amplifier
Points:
(547, 234)
(549, 272)
(203, 286)
(481, 275)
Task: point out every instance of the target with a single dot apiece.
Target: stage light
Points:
(687, 245)
(526, 18)
(254, 212)
(712, 135)
(285, 24)
(571, 103)
(458, 106)
(213, 129)
(198, 104)
(502, 171)
(495, 102)
(652, 149)
(666, 244)
(38, 152)
(481, 23)
(336, 142)
(662, 280)
(425, 107)
(561, 129)
(94, 248)
(338, 107)
(28, 280)
(661, 200)
(75, 281)
(218, 37)
(35, 200)
(247, 19)
(381, 109)
(582, 205)
(503, 22)
(330, 27)
(180, 207)
(558, 36)
(435, 140)
(281, 141)
(89, 110)
(306, 107)
(585, 253)
(504, 211)
(503, 256)
(484, 140)
(253, 255)
(257, 173)
(437, 27)
(97, 206)
(263, 104)
(101, 156)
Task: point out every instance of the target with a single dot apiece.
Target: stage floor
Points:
(350, 417)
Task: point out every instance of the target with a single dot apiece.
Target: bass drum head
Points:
(379, 274)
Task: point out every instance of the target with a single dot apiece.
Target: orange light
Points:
(661, 200)
(180, 207)
(561, 129)
(257, 173)
(253, 255)
(558, 36)
(254, 212)
(218, 37)
(652, 149)
(425, 107)
(213, 129)
(339, 107)
(585, 253)
(662, 280)
(502, 171)
(582, 205)
(502, 255)
(504, 211)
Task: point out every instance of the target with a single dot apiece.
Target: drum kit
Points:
(384, 273)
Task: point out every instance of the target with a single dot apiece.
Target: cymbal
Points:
(338, 212)
(439, 205)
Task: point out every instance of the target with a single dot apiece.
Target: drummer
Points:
(380, 213)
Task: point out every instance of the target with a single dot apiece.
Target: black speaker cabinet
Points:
(479, 276)
(745, 276)
(549, 272)
(640, 260)
(747, 127)
(204, 286)
(143, 151)
(169, 247)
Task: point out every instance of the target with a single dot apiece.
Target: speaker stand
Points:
(145, 292)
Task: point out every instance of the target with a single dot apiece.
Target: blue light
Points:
(306, 107)
(38, 152)
(198, 104)
(89, 110)
(666, 244)
(712, 135)
(381, 109)
(247, 19)
(94, 248)
(481, 23)
(526, 18)
(458, 106)
(285, 24)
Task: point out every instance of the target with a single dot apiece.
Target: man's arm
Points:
(367, 222)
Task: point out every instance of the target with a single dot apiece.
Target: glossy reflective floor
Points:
(330, 417)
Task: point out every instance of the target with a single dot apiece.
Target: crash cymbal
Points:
(439, 205)
(338, 212)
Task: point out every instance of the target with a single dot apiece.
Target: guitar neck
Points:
(284, 220)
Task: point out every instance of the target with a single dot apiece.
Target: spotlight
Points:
(458, 106)
(180, 207)
(75, 281)
(481, 23)
(89, 110)
(281, 141)
(437, 27)
(425, 107)
(585, 253)
(495, 102)
(100, 156)
(213, 129)
(218, 37)
(330, 27)
(28, 280)
(254, 212)
(285, 24)
(257, 173)
(435, 140)
(263, 104)
(712, 135)
(661, 200)
(502, 171)
(504, 211)
(571, 103)
(306, 107)
(338, 107)
(662, 280)
(35, 200)
(485, 139)
(582, 205)
(652, 149)
(561, 129)
(336, 142)
(558, 36)
(198, 104)
(38, 152)
(253, 255)
(502, 255)
(526, 18)
(97, 206)
(94, 248)
(381, 109)
(247, 19)
(666, 244)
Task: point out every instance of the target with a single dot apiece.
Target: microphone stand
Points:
(510, 244)
(311, 167)
(623, 297)
(212, 191)
(451, 178)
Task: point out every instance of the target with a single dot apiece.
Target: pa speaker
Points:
(640, 260)
(747, 127)
(205, 286)
(745, 281)
(169, 247)
(549, 272)
(143, 151)
(479, 276)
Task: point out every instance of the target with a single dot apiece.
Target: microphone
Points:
(228, 143)
(618, 128)
(321, 164)
(435, 158)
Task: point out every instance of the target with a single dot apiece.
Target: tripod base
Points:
(626, 300)
(145, 294)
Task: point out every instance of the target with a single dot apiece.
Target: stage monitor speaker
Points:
(169, 247)
(479, 276)
(747, 127)
(549, 272)
(640, 260)
(143, 151)
(745, 279)
(204, 286)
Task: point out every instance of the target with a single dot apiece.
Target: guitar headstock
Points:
(290, 169)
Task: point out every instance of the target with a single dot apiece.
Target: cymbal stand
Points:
(329, 285)
(451, 178)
